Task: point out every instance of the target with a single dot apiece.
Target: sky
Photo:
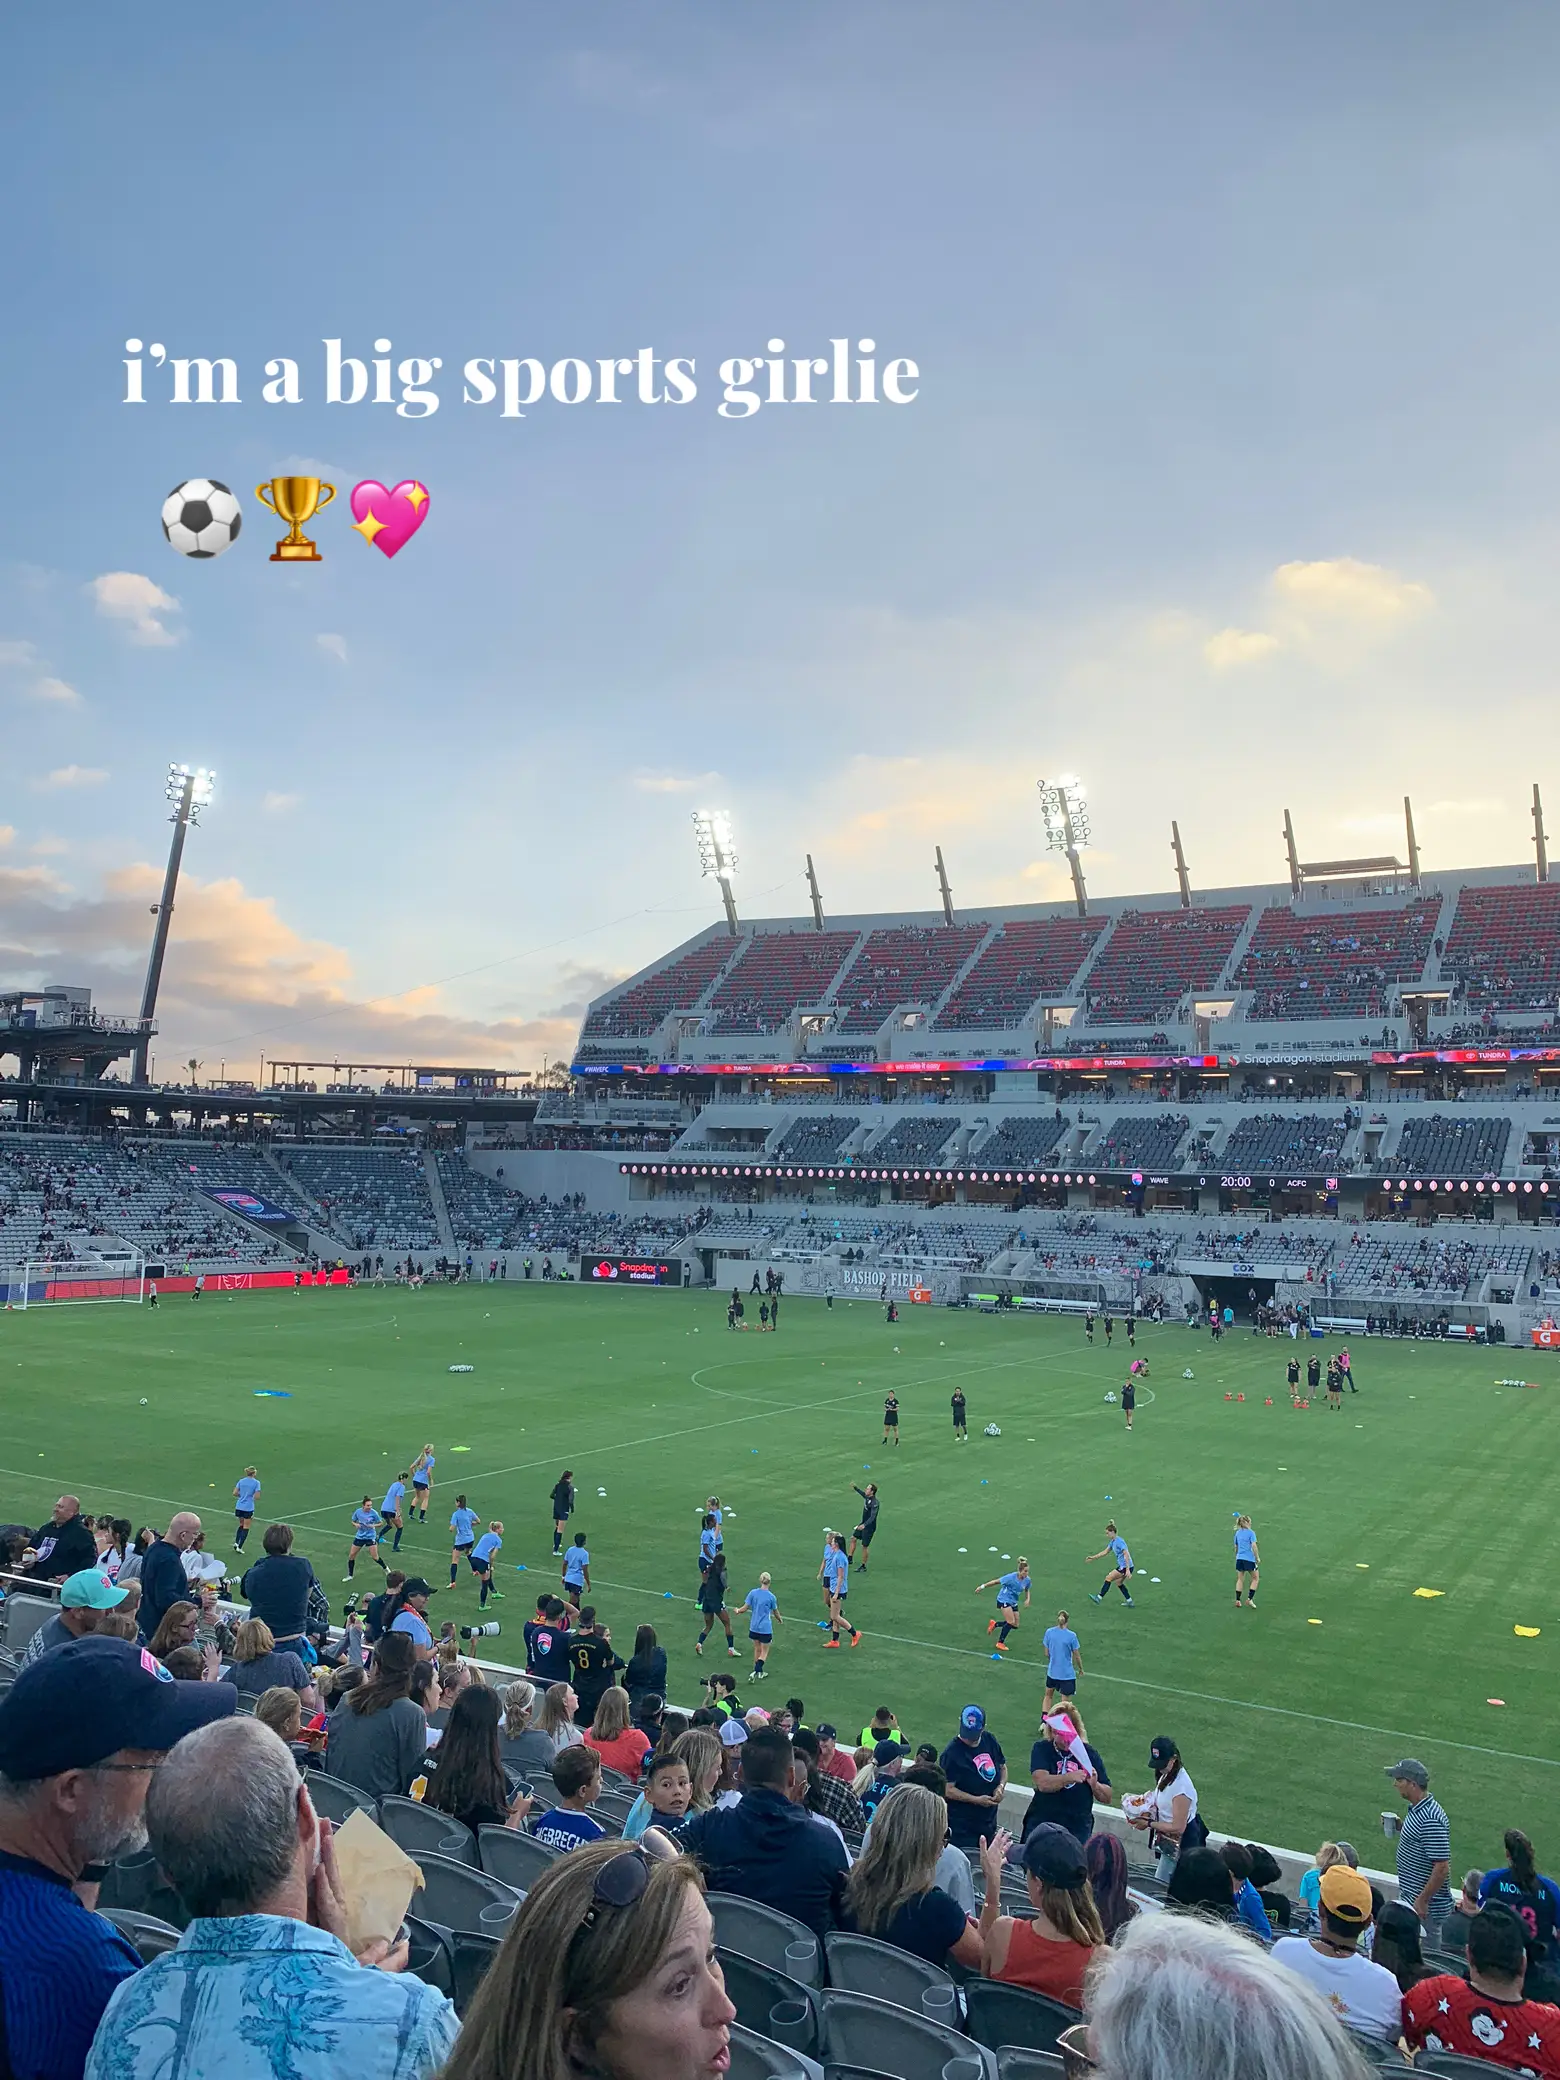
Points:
(1227, 483)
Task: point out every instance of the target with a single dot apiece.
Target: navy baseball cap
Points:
(887, 1751)
(972, 1719)
(78, 1704)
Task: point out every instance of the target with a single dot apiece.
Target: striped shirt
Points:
(1426, 1839)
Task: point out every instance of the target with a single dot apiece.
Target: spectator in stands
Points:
(1362, 1994)
(976, 1769)
(1397, 1945)
(467, 1777)
(1249, 1910)
(378, 1736)
(279, 1709)
(1424, 1846)
(1064, 1795)
(701, 1750)
(81, 1734)
(277, 1587)
(1310, 1881)
(163, 1580)
(827, 1796)
(259, 1665)
(1107, 1862)
(1485, 2015)
(832, 1759)
(556, 1717)
(665, 1799)
(892, 1892)
(593, 1666)
(768, 1848)
(85, 1599)
(646, 1672)
(1179, 1998)
(521, 1745)
(1051, 1953)
(1453, 1932)
(261, 1981)
(1169, 1811)
(888, 1759)
(179, 1624)
(1535, 1900)
(1202, 1883)
(135, 1558)
(63, 1546)
(607, 1970)
(621, 1746)
(577, 1775)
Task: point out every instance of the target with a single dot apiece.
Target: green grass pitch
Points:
(1433, 1477)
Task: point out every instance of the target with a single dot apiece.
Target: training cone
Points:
(1240, 1397)
(1269, 1402)
(1229, 1397)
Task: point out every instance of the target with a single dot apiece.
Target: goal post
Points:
(74, 1281)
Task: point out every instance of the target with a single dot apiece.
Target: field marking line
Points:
(1244, 1704)
(102, 1487)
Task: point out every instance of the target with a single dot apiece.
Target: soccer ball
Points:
(201, 517)
(992, 1430)
(1110, 1394)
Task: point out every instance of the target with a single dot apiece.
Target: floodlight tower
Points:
(189, 790)
(718, 857)
(1065, 808)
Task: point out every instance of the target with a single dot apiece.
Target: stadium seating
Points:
(1474, 1146)
(1295, 1143)
(677, 986)
(907, 964)
(1310, 964)
(373, 1197)
(1147, 1142)
(1026, 961)
(1018, 1143)
(776, 972)
(1153, 957)
(59, 1192)
(816, 1140)
(483, 1215)
(1503, 951)
(1425, 1266)
(913, 1140)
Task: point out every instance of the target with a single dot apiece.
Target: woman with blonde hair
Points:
(892, 1892)
(702, 1752)
(556, 1717)
(259, 1665)
(608, 1972)
(522, 1745)
(621, 1745)
(1051, 1953)
(279, 1709)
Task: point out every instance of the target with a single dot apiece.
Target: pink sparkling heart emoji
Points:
(389, 519)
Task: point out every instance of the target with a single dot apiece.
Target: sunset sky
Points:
(1228, 484)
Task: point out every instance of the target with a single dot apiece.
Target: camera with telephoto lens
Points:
(488, 1631)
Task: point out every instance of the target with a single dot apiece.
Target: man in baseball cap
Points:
(976, 1769)
(83, 1598)
(81, 1732)
(1424, 1846)
(1362, 1994)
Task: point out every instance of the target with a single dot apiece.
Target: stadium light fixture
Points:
(718, 856)
(188, 789)
(1064, 809)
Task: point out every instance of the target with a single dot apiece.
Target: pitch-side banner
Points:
(252, 1206)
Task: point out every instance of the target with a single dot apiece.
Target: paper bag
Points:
(377, 1878)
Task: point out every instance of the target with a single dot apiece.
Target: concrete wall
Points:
(558, 1172)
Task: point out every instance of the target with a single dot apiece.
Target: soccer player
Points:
(1292, 1378)
(1131, 1330)
(245, 1489)
(961, 1434)
(823, 1577)
(1120, 1569)
(1346, 1370)
(891, 1418)
(1063, 1661)
(422, 1482)
(562, 1507)
(365, 1536)
(1088, 1325)
(1334, 1386)
(1246, 1559)
(1313, 1374)
(463, 1530)
(763, 1317)
(712, 1602)
(1109, 1327)
(709, 1543)
(482, 1555)
(1129, 1396)
(763, 1609)
(836, 1566)
(576, 1570)
(151, 1292)
(390, 1509)
(867, 1528)
(1012, 1591)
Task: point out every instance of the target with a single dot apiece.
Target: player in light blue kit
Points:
(365, 1535)
(763, 1609)
(390, 1509)
(482, 1556)
(422, 1481)
(1246, 1562)
(1120, 1568)
(836, 1575)
(463, 1529)
(245, 1489)
(1012, 1591)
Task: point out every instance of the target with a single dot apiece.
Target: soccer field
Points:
(1433, 1477)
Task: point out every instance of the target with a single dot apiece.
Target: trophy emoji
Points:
(295, 499)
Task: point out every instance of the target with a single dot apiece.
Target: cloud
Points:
(18, 653)
(56, 690)
(70, 776)
(1233, 647)
(1344, 587)
(673, 783)
(129, 597)
(48, 847)
(280, 804)
(333, 646)
(7, 835)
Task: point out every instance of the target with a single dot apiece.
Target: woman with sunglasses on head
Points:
(608, 1972)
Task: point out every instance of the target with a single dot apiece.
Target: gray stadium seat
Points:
(754, 2057)
(473, 1955)
(136, 1883)
(418, 1828)
(514, 1858)
(862, 1964)
(858, 2030)
(999, 2014)
(431, 1956)
(336, 1801)
(1453, 2066)
(755, 1990)
(454, 1894)
(1375, 2052)
(151, 1937)
(1016, 2064)
(765, 1934)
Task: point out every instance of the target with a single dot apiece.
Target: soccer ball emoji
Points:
(201, 517)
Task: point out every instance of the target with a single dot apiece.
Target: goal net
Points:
(47, 1282)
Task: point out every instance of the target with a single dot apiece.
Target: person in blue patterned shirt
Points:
(261, 1985)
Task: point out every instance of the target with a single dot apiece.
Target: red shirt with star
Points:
(1447, 2014)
